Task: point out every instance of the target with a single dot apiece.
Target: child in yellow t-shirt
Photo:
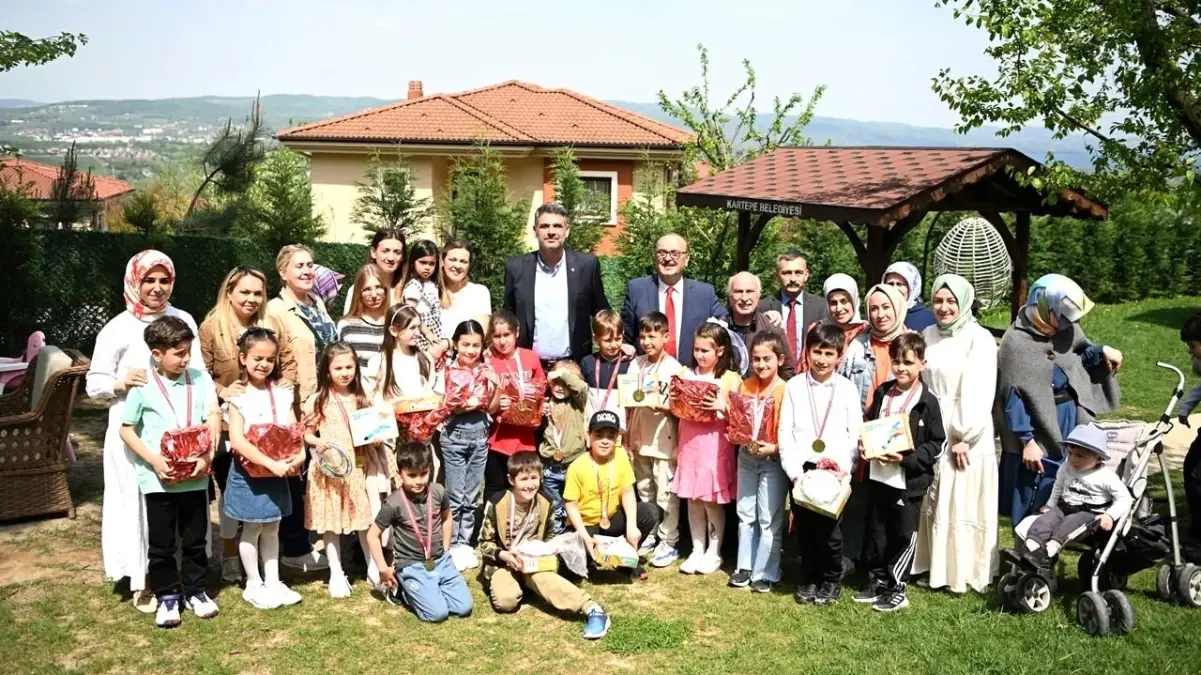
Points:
(599, 493)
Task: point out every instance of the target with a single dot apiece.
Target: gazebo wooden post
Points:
(1021, 261)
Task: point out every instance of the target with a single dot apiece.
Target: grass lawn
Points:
(1145, 331)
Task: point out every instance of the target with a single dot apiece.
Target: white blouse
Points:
(471, 302)
(121, 346)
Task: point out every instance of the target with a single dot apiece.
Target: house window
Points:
(602, 186)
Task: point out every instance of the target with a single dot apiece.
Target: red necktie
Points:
(791, 328)
(669, 307)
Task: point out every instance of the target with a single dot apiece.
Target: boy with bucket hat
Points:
(1087, 496)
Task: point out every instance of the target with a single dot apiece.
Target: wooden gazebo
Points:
(889, 190)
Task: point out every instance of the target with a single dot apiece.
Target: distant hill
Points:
(18, 103)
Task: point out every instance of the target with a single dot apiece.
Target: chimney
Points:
(415, 91)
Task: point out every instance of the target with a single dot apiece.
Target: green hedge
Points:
(68, 284)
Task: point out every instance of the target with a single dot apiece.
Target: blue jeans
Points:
(554, 479)
(762, 485)
(435, 595)
(464, 455)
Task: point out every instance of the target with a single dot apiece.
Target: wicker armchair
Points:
(33, 436)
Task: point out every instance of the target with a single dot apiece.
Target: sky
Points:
(876, 57)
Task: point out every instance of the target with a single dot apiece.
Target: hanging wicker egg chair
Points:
(974, 250)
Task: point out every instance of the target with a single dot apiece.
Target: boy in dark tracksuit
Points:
(893, 513)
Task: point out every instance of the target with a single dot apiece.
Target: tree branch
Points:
(1149, 39)
(1075, 121)
(1181, 14)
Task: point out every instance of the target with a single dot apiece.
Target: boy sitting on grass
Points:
(522, 514)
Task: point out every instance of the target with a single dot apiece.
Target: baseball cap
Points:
(1091, 438)
(604, 419)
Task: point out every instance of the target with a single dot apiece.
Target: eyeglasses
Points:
(670, 255)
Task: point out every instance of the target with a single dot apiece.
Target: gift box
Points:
(276, 441)
(462, 384)
(688, 399)
(545, 563)
(822, 491)
(886, 436)
(526, 396)
(740, 416)
(182, 447)
(422, 404)
(614, 552)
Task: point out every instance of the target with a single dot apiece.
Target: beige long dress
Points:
(338, 505)
(957, 537)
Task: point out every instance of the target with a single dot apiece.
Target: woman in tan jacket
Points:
(241, 304)
(307, 329)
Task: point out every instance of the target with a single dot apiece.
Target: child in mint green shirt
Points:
(175, 396)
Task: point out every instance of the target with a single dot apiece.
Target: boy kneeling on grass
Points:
(522, 514)
(599, 495)
(422, 575)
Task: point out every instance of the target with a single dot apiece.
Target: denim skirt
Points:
(255, 500)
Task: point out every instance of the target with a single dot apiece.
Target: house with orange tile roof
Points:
(37, 181)
(524, 123)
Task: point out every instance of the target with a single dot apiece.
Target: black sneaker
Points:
(740, 579)
(891, 602)
(828, 594)
(393, 596)
(761, 586)
(805, 594)
(870, 593)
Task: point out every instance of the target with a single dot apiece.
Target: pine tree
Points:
(587, 211)
(140, 213)
(72, 194)
(387, 199)
(279, 206)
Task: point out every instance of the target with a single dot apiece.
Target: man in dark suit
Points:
(686, 302)
(792, 308)
(554, 291)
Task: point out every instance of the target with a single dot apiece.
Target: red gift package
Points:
(688, 398)
(276, 441)
(182, 447)
(463, 384)
(741, 414)
(526, 396)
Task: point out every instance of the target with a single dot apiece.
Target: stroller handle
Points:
(1176, 394)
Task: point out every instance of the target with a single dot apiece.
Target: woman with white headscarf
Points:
(1052, 378)
(842, 310)
(957, 534)
(907, 279)
(119, 362)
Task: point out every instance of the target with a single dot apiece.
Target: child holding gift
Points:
(176, 497)
(565, 436)
(819, 430)
(519, 368)
(522, 514)
(653, 437)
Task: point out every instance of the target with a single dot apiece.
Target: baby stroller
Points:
(1139, 540)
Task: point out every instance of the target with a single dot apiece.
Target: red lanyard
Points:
(759, 404)
(345, 417)
(516, 537)
(904, 406)
(655, 369)
(602, 492)
(520, 373)
(426, 543)
(819, 430)
(271, 396)
(187, 382)
(559, 426)
(612, 379)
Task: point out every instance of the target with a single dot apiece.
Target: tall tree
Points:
(477, 209)
(230, 160)
(279, 206)
(72, 196)
(1125, 73)
(387, 199)
(587, 211)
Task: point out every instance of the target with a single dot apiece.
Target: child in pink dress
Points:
(706, 466)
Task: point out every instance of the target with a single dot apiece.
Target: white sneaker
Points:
(461, 556)
(167, 614)
(373, 575)
(648, 546)
(202, 606)
(231, 570)
(283, 594)
(260, 596)
(693, 563)
(309, 562)
(145, 602)
(470, 558)
(709, 564)
(339, 587)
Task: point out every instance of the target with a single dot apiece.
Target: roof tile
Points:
(40, 178)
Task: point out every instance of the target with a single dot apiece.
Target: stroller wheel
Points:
(1163, 584)
(1188, 585)
(1121, 612)
(1033, 593)
(1093, 614)
(1007, 588)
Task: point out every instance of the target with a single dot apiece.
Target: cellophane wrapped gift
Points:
(740, 416)
(526, 398)
(688, 399)
(464, 383)
(421, 426)
(276, 441)
(182, 447)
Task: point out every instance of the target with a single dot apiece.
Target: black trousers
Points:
(1192, 486)
(647, 519)
(496, 474)
(819, 541)
(891, 536)
(854, 521)
(177, 521)
(294, 540)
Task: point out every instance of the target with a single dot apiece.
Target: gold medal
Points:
(604, 522)
(819, 445)
(753, 447)
(559, 455)
(429, 564)
(639, 395)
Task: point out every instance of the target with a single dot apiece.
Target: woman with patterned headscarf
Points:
(907, 279)
(1051, 379)
(957, 532)
(120, 361)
